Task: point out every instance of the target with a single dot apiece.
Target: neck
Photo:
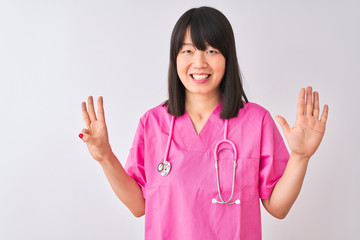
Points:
(201, 105)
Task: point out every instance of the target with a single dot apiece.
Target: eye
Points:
(212, 51)
(187, 51)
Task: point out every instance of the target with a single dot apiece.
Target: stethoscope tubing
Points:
(170, 137)
(225, 140)
(165, 166)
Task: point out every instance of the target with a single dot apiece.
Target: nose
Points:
(199, 60)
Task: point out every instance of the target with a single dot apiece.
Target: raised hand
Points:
(95, 135)
(305, 136)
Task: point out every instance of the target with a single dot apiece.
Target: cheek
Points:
(180, 70)
(180, 67)
(223, 65)
(220, 66)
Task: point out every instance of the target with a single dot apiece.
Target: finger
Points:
(316, 105)
(100, 109)
(91, 108)
(84, 130)
(85, 137)
(85, 115)
(301, 103)
(309, 103)
(283, 123)
(324, 114)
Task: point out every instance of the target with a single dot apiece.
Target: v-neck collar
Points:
(199, 142)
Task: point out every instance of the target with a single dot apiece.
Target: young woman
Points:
(200, 161)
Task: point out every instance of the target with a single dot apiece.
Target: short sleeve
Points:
(135, 162)
(273, 158)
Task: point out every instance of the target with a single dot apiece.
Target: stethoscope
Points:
(165, 166)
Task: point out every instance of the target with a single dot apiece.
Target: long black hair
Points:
(207, 25)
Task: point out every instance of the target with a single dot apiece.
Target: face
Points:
(200, 71)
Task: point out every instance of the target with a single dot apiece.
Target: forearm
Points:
(124, 186)
(287, 188)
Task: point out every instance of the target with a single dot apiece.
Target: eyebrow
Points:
(190, 44)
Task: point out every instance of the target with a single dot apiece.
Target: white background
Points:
(53, 54)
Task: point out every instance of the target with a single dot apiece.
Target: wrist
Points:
(299, 158)
(108, 157)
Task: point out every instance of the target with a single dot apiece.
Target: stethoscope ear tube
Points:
(217, 171)
(216, 152)
(216, 201)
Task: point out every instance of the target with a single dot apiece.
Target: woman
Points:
(188, 181)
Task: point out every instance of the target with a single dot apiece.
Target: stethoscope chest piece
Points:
(164, 168)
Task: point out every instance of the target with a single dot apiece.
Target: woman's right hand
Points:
(95, 135)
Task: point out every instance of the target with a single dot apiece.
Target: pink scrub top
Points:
(179, 205)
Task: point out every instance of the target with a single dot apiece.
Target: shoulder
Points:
(155, 114)
(253, 110)
(254, 118)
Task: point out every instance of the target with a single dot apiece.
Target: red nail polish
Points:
(81, 135)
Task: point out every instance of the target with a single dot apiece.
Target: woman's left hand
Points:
(305, 136)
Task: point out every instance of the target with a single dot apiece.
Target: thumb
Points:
(84, 135)
(283, 123)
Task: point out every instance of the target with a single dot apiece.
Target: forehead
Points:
(188, 40)
(187, 37)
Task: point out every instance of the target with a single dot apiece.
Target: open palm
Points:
(95, 135)
(305, 136)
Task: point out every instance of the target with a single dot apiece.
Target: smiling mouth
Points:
(200, 77)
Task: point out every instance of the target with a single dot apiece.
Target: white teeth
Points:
(200, 77)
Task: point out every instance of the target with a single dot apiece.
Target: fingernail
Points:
(81, 135)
